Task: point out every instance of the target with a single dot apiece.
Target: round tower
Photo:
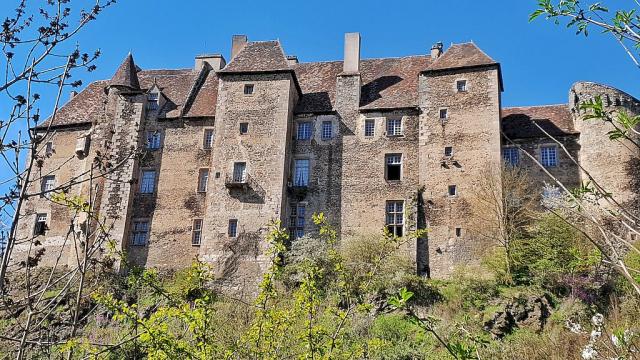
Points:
(614, 164)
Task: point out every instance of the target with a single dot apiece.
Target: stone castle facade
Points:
(225, 148)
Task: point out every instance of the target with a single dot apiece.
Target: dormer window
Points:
(248, 89)
(152, 101)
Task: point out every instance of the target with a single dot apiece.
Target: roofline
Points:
(472, 67)
(390, 108)
(44, 127)
(262, 72)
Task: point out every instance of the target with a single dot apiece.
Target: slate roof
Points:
(557, 120)
(258, 56)
(126, 74)
(461, 56)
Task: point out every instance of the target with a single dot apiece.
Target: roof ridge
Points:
(532, 106)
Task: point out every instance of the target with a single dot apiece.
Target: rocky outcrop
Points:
(528, 312)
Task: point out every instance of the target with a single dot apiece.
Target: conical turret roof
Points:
(126, 75)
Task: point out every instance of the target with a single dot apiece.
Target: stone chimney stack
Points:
(351, 53)
(216, 61)
(237, 44)
(292, 59)
(436, 50)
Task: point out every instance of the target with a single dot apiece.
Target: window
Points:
(394, 127)
(152, 101)
(327, 130)
(448, 151)
(444, 114)
(140, 233)
(208, 139)
(453, 190)
(369, 127)
(548, 156)
(48, 149)
(148, 182)
(304, 130)
(47, 184)
(233, 228)
(461, 85)
(393, 166)
(196, 232)
(203, 179)
(296, 221)
(395, 217)
(244, 128)
(458, 232)
(511, 156)
(153, 140)
(248, 89)
(301, 172)
(40, 227)
(239, 172)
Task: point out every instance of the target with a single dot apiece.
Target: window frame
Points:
(455, 190)
(206, 144)
(248, 89)
(300, 130)
(203, 175)
(394, 227)
(509, 154)
(393, 130)
(40, 230)
(305, 176)
(444, 111)
(153, 101)
(448, 151)
(326, 127)
(234, 173)
(246, 128)
(153, 134)
(141, 188)
(233, 225)
(48, 148)
(369, 125)
(297, 220)
(196, 231)
(544, 159)
(45, 186)
(135, 231)
(464, 87)
(387, 164)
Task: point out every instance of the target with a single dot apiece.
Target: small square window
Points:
(444, 114)
(458, 232)
(304, 130)
(369, 127)
(196, 232)
(208, 139)
(248, 89)
(233, 228)
(244, 128)
(453, 190)
(327, 130)
(40, 227)
(393, 169)
(448, 151)
(461, 85)
(203, 179)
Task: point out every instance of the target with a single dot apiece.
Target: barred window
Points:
(395, 217)
(393, 167)
(297, 221)
(248, 89)
(301, 172)
(233, 228)
(140, 233)
(548, 156)
(196, 232)
(327, 130)
(304, 130)
(208, 139)
(148, 182)
(369, 127)
(153, 140)
(152, 101)
(511, 156)
(203, 179)
(394, 127)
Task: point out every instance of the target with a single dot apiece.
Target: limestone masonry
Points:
(225, 148)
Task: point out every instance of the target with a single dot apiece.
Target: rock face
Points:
(528, 312)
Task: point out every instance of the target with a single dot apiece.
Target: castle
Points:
(225, 148)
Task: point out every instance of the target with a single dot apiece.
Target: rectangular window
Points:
(548, 156)
(327, 130)
(304, 130)
(248, 89)
(48, 150)
(239, 172)
(47, 184)
(140, 233)
(244, 128)
(369, 127)
(296, 221)
(461, 85)
(394, 127)
(153, 140)
(511, 156)
(40, 227)
(393, 168)
(395, 217)
(453, 190)
(152, 101)
(448, 151)
(203, 179)
(148, 182)
(458, 232)
(301, 172)
(208, 139)
(233, 228)
(444, 114)
(196, 232)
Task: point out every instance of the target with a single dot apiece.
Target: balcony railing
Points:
(238, 180)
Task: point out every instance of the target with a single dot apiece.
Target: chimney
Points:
(436, 50)
(237, 43)
(292, 59)
(216, 61)
(72, 94)
(351, 53)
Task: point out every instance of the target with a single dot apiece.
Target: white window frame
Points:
(455, 190)
(145, 188)
(239, 176)
(232, 229)
(394, 159)
(47, 184)
(462, 88)
(203, 180)
(327, 130)
(394, 127)
(301, 173)
(140, 231)
(369, 127)
(207, 139)
(41, 218)
(549, 156)
(196, 232)
(444, 111)
(394, 217)
(304, 130)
